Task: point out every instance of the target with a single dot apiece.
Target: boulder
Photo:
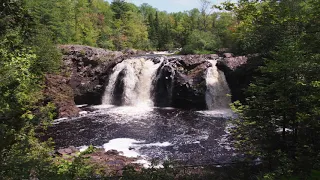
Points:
(227, 55)
(212, 56)
(130, 51)
(232, 63)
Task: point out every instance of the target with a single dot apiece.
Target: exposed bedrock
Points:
(239, 72)
(181, 82)
(60, 93)
(175, 81)
(87, 68)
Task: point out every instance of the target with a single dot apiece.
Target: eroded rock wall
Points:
(180, 81)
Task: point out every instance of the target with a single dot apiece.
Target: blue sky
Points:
(173, 5)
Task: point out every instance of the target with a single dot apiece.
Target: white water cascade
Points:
(217, 88)
(139, 74)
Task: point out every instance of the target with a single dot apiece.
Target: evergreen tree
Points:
(279, 121)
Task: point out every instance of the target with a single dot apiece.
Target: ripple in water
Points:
(189, 137)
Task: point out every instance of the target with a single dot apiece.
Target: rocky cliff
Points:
(88, 68)
(82, 77)
(180, 81)
(239, 72)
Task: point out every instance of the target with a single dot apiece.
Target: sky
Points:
(173, 5)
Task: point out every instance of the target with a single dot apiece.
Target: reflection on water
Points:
(190, 137)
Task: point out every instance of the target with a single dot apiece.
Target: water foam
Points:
(217, 88)
(138, 75)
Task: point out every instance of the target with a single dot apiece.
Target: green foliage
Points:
(200, 42)
(89, 150)
(279, 120)
(27, 157)
(22, 155)
(49, 59)
(78, 168)
(122, 25)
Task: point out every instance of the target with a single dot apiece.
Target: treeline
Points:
(122, 25)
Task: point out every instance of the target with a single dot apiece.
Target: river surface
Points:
(189, 137)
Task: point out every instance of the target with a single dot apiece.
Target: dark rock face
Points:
(88, 67)
(164, 84)
(133, 52)
(183, 78)
(119, 89)
(190, 83)
(181, 82)
(239, 72)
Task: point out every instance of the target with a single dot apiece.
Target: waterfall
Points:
(217, 88)
(150, 82)
(132, 79)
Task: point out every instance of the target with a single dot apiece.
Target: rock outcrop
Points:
(61, 94)
(189, 83)
(88, 68)
(181, 82)
(82, 78)
(239, 72)
(111, 162)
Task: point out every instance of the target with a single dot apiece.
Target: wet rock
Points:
(232, 63)
(67, 151)
(139, 52)
(156, 60)
(130, 51)
(182, 80)
(227, 55)
(73, 149)
(212, 56)
(112, 161)
(112, 152)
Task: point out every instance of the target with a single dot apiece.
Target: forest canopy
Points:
(122, 25)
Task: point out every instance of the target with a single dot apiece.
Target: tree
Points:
(20, 94)
(200, 42)
(101, 16)
(205, 5)
(223, 25)
(279, 122)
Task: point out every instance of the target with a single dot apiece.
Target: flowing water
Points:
(189, 137)
(217, 88)
(136, 82)
(128, 121)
